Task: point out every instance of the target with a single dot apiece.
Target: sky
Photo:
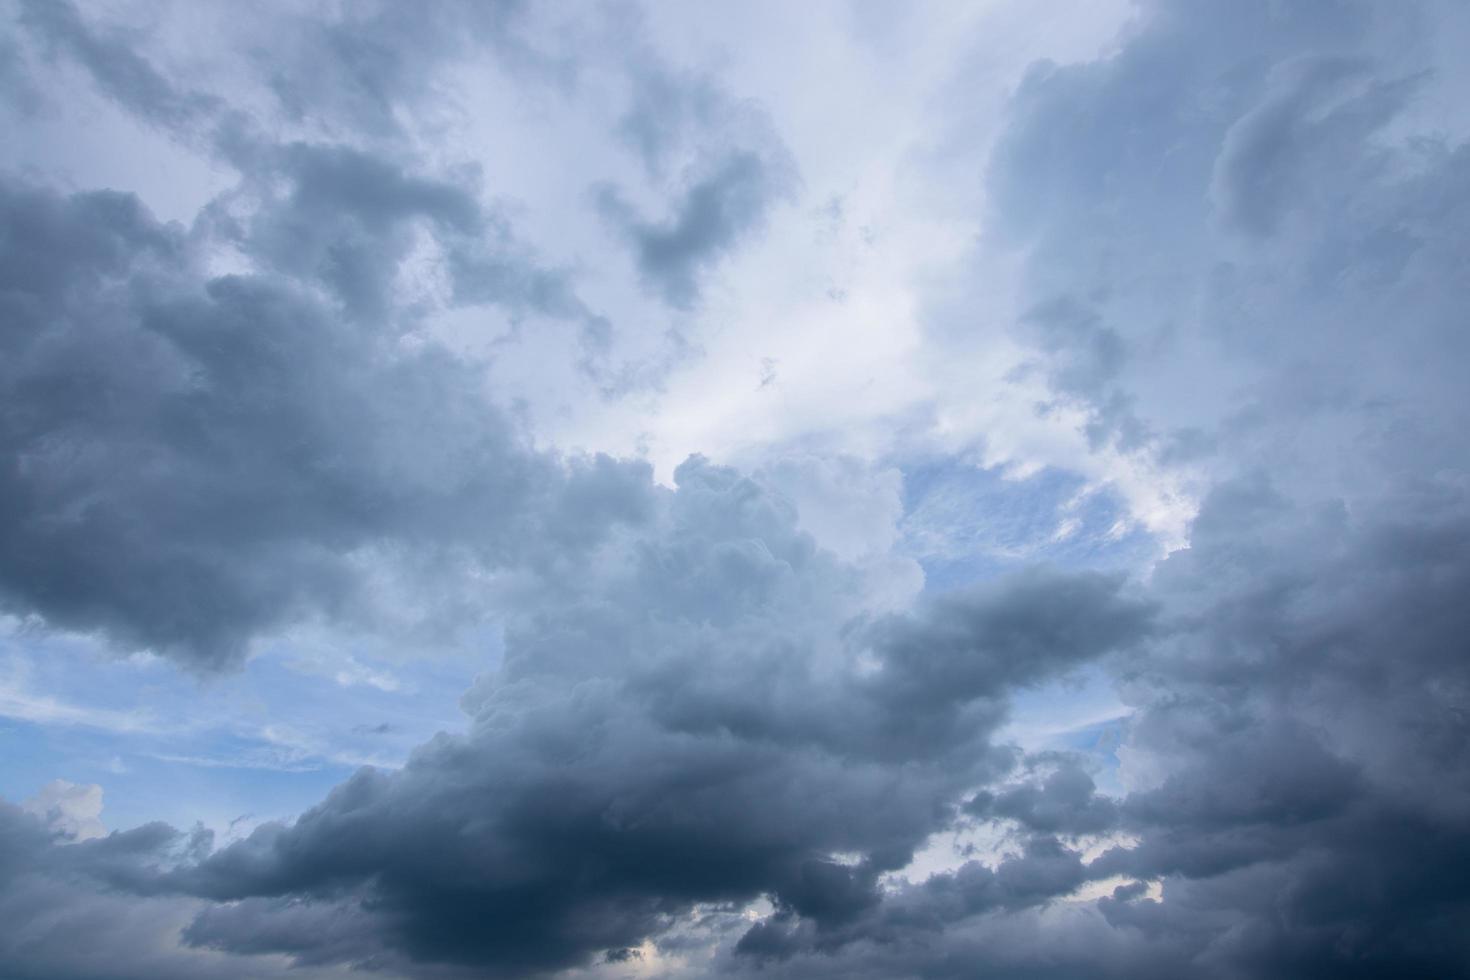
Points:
(845, 489)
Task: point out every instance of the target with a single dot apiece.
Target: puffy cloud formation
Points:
(682, 724)
(699, 714)
(728, 730)
(154, 493)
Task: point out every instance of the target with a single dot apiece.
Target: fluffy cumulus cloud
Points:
(327, 390)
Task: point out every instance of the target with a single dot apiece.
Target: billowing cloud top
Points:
(601, 491)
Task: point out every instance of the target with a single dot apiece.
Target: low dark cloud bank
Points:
(698, 707)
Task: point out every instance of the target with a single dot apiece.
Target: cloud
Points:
(365, 70)
(1223, 228)
(727, 726)
(1223, 218)
(732, 169)
(1296, 790)
(110, 58)
(73, 909)
(715, 212)
(377, 89)
(195, 461)
(1324, 107)
(70, 811)
(682, 723)
(1066, 801)
(354, 73)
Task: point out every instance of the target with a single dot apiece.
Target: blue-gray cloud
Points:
(191, 461)
(722, 162)
(660, 735)
(716, 212)
(118, 68)
(1233, 255)
(681, 718)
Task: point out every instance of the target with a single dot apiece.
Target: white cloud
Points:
(69, 809)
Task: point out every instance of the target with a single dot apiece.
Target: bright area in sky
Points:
(835, 489)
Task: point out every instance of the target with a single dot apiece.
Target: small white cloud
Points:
(73, 810)
(354, 673)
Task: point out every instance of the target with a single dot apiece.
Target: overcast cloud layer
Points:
(510, 490)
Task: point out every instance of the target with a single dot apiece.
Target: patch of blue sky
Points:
(142, 781)
(966, 523)
(1079, 714)
(1100, 744)
(266, 742)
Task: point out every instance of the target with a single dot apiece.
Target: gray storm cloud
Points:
(1244, 250)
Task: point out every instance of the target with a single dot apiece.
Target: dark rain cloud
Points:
(73, 908)
(668, 731)
(1310, 725)
(697, 708)
(1301, 708)
(682, 719)
(1065, 800)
